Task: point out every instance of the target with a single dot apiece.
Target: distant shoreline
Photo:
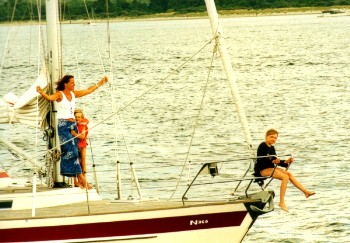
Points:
(240, 13)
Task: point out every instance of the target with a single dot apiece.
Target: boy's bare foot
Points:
(309, 193)
(283, 207)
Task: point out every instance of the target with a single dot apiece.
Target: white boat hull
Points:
(207, 223)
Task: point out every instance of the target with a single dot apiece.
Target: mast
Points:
(214, 20)
(54, 66)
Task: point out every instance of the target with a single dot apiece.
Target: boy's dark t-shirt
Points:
(264, 163)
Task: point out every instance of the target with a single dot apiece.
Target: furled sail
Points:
(30, 108)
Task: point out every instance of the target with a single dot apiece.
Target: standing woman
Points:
(267, 161)
(65, 97)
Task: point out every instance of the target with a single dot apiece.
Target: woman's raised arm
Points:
(54, 97)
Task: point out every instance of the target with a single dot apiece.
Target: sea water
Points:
(293, 75)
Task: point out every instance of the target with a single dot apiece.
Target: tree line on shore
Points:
(24, 10)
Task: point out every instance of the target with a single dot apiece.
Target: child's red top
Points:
(83, 142)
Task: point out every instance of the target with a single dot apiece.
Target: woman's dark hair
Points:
(62, 81)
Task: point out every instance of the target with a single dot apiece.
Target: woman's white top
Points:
(65, 108)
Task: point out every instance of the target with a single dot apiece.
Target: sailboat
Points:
(44, 213)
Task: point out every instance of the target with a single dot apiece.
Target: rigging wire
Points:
(152, 87)
(132, 101)
(197, 120)
(116, 112)
(8, 38)
(116, 119)
(95, 39)
(38, 70)
(14, 10)
(6, 51)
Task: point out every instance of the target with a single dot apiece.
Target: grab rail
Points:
(212, 169)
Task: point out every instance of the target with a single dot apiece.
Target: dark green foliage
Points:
(75, 9)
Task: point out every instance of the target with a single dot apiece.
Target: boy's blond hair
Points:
(271, 131)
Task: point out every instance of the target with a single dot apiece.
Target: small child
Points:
(82, 135)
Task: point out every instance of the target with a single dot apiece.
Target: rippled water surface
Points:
(293, 74)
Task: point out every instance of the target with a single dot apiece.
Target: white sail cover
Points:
(30, 108)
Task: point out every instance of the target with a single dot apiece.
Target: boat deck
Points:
(99, 207)
(105, 207)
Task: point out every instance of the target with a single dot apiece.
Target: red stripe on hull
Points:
(123, 228)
